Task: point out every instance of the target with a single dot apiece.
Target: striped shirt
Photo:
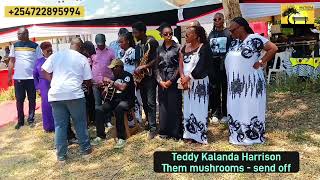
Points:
(26, 54)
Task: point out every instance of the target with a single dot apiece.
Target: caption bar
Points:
(44, 11)
(226, 162)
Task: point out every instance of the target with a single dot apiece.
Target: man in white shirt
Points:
(23, 55)
(67, 70)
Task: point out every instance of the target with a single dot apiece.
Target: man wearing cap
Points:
(100, 63)
(122, 101)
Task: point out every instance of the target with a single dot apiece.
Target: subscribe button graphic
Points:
(44, 11)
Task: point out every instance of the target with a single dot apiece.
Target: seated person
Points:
(122, 101)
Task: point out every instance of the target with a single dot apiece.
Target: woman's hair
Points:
(201, 33)
(243, 22)
(162, 26)
(128, 36)
(89, 47)
(45, 45)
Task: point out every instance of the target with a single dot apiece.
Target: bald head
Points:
(194, 23)
(218, 21)
(23, 34)
(76, 44)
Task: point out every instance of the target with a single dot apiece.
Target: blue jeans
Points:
(62, 111)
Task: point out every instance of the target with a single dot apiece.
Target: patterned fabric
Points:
(195, 102)
(246, 100)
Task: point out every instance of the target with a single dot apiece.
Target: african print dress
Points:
(246, 100)
(195, 101)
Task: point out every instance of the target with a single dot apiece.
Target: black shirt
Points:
(142, 48)
(168, 63)
(129, 93)
(205, 57)
(219, 42)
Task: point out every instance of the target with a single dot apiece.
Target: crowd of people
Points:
(208, 79)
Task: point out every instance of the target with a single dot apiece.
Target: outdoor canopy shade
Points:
(103, 16)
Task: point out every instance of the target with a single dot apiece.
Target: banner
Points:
(297, 14)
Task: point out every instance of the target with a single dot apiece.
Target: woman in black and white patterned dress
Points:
(194, 62)
(246, 100)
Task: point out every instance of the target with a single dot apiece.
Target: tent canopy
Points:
(99, 9)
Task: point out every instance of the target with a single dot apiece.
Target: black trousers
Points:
(219, 90)
(21, 88)
(170, 111)
(90, 104)
(119, 108)
(148, 88)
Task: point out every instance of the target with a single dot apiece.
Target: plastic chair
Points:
(278, 57)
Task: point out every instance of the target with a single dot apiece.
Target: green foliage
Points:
(294, 84)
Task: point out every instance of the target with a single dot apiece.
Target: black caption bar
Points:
(226, 162)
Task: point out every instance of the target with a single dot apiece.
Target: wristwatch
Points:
(261, 62)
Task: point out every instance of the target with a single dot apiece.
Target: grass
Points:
(292, 125)
(7, 95)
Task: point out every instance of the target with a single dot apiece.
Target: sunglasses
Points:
(167, 34)
(216, 19)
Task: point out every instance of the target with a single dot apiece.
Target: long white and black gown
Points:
(196, 98)
(246, 100)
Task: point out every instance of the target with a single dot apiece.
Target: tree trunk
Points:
(231, 10)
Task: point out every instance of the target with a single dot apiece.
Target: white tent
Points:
(97, 9)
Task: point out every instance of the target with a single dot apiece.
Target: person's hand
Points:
(9, 81)
(107, 81)
(185, 86)
(168, 83)
(163, 84)
(257, 65)
(185, 80)
(139, 69)
(38, 92)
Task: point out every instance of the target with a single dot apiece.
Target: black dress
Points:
(170, 99)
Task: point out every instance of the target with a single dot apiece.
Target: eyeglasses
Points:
(167, 34)
(216, 19)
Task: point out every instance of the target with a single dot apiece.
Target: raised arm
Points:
(12, 61)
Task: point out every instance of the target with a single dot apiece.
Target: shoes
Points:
(31, 124)
(120, 144)
(109, 125)
(18, 126)
(73, 141)
(87, 152)
(224, 119)
(214, 120)
(61, 160)
(152, 134)
(97, 141)
(164, 136)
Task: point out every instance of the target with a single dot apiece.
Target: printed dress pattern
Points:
(246, 100)
(195, 104)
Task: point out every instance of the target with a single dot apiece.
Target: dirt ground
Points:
(293, 124)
